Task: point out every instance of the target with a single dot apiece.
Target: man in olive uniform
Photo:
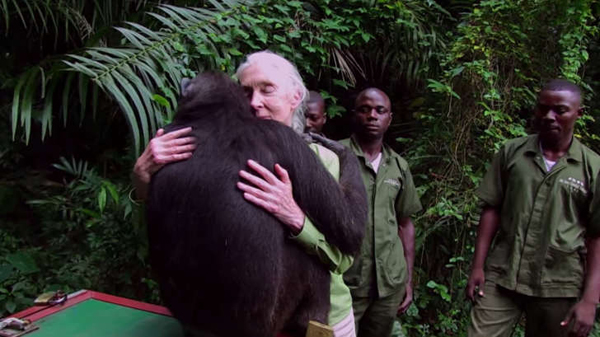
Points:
(542, 205)
(315, 113)
(380, 279)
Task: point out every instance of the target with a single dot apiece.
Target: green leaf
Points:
(102, 199)
(65, 97)
(10, 306)
(431, 284)
(365, 36)
(17, 100)
(285, 48)
(334, 110)
(161, 100)
(279, 38)
(235, 52)
(112, 190)
(89, 212)
(23, 262)
(6, 272)
(47, 110)
(260, 33)
(340, 83)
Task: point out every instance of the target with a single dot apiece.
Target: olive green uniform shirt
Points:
(314, 242)
(391, 195)
(544, 217)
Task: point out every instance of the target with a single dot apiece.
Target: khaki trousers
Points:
(497, 313)
(374, 317)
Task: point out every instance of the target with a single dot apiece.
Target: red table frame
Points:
(37, 312)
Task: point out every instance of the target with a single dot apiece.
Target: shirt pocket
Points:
(563, 267)
(499, 258)
(574, 194)
(356, 273)
(395, 263)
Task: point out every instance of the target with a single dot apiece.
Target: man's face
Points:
(556, 113)
(372, 114)
(270, 93)
(315, 117)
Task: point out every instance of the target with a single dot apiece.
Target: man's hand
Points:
(408, 298)
(475, 284)
(162, 149)
(582, 316)
(274, 194)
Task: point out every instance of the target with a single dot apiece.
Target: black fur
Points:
(224, 265)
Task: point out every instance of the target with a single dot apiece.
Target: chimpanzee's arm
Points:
(338, 210)
(273, 192)
(314, 241)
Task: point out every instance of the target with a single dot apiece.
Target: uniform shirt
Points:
(544, 217)
(380, 268)
(314, 242)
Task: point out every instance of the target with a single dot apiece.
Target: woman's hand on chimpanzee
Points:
(272, 193)
(162, 149)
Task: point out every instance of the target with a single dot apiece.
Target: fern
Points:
(130, 74)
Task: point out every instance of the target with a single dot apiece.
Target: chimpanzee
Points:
(224, 265)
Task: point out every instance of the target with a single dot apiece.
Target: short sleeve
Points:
(593, 228)
(491, 189)
(408, 202)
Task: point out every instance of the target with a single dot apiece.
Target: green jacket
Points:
(391, 195)
(544, 217)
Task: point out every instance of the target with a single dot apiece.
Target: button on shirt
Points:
(380, 267)
(544, 217)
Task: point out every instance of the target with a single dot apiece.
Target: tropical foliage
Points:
(85, 84)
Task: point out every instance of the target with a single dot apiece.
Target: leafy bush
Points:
(89, 237)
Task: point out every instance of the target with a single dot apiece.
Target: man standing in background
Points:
(380, 279)
(542, 206)
(315, 114)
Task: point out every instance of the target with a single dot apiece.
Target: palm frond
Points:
(131, 74)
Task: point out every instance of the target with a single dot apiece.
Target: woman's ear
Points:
(296, 98)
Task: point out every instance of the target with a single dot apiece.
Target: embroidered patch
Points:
(574, 184)
(392, 182)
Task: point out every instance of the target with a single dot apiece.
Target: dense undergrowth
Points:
(462, 76)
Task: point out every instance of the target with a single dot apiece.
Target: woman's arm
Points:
(274, 194)
(162, 149)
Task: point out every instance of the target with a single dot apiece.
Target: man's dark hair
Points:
(562, 85)
(315, 97)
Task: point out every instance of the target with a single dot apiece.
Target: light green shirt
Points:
(314, 242)
(544, 217)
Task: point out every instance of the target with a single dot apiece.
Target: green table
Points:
(92, 314)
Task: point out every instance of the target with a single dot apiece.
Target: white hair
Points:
(282, 64)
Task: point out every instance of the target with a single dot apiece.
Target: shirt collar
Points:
(573, 153)
(386, 151)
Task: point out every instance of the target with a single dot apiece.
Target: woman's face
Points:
(270, 92)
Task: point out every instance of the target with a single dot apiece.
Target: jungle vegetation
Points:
(84, 85)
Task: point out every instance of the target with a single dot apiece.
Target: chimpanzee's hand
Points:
(274, 194)
(329, 143)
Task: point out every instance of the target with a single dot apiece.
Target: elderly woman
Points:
(276, 91)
